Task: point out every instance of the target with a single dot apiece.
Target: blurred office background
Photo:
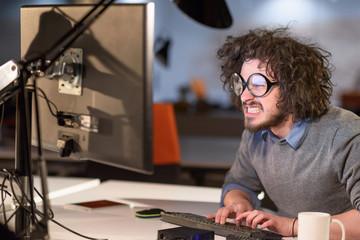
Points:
(188, 77)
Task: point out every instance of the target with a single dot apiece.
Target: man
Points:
(303, 152)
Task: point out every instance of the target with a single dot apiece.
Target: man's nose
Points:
(246, 95)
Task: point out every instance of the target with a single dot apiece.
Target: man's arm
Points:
(351, 220)
(235, 202)
(238, 196)
(255, 202)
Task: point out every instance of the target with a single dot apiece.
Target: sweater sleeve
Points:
(347, 156)
(255, 202)
(350, 175)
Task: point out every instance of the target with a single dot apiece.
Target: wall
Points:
(331, 23)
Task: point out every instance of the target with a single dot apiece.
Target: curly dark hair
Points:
(302, 70)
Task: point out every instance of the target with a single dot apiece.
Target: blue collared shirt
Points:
(295, 137)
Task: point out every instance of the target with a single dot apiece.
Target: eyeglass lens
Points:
(256, 84)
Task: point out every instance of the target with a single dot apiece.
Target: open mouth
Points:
(252, 108)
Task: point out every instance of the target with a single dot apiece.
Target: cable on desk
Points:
(12, 178)
(74, 232)
(3, 196)
(51, 218)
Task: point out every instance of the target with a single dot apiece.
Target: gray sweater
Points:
(321, 174)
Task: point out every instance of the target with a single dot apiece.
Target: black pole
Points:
(26, 215)
(40, 230)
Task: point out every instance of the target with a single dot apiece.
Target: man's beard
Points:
(273, 121)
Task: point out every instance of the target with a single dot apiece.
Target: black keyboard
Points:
(201, 222)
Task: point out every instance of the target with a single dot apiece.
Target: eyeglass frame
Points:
(269, 84)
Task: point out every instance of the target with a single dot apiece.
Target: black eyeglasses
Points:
(257, 84)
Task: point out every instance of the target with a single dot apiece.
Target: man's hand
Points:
(274, 223)
(231, 211)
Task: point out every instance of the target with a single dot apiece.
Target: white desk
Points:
(60, 186)
(119, 222)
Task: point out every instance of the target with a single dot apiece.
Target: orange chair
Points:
(166, 147)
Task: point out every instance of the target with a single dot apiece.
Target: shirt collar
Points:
(295, 137)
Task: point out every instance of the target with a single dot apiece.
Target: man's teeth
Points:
(253, 109)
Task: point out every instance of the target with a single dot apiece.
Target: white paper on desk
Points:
(135, 204)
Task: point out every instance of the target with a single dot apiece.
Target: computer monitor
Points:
(101, 85)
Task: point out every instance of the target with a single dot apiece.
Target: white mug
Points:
(316, 226)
